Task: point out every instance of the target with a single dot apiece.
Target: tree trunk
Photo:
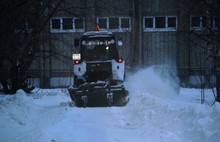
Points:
(4, 85)
(14, 78)
(218, 38)
(218, 87)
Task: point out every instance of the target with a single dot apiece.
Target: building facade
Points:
(154, 32)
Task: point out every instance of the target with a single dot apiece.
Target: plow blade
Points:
(99, 96)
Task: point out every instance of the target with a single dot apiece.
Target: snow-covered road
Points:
(157, 112)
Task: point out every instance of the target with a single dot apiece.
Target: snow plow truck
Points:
(98, 71)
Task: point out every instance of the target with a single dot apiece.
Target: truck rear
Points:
(98, 71)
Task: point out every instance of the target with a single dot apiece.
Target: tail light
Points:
(120, 60)
(76, 61)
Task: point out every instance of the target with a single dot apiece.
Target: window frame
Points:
(62, 30)
(120, 28)
(201, 26)
(154, 29)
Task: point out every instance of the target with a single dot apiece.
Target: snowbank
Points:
(158, 111)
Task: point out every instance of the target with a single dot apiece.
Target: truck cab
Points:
(98, 58)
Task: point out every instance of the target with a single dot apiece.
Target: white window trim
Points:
(120, 29)
(154, 29)
(61, 30)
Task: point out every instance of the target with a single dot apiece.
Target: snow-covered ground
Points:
(158, 111)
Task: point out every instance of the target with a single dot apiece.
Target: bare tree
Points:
(21, 25)
(24, 30)
(205, 38)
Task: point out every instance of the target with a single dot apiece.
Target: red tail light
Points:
(76, 61)
(120, 60)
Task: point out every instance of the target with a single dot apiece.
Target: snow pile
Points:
(25, 116)
(157, 112)
(16, 109)
(160, 104)
(170, 120)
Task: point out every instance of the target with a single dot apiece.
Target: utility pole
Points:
(90, 15)
(136, 50)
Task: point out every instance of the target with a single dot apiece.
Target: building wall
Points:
(169, 46)
(159, 48)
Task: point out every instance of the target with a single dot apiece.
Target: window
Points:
(160, 23)
(202, 22)
(171, 22)
(66, 24)
(78, 24)
(114, 24)
(102, 22)
(125, 23)
(24, 25)
(149, 22)
(195, 22)
(55, 23)
(205, 22)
